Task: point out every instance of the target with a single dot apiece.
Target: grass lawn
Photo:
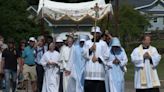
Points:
(129, 76)
(158, 43)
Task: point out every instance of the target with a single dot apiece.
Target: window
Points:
(155, 19)
(163, 20)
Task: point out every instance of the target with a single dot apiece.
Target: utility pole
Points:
(42, 27)
(117, 17)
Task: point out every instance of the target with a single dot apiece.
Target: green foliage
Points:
(14, 20)
(132, 24)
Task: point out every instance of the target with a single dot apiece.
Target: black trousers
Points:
(40, 76)
(61, 82)
(94, 86)
(148, 90)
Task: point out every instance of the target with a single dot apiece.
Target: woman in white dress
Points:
(50, 62)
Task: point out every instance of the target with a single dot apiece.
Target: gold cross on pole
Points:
(96, 8)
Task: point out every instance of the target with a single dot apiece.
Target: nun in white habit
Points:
(117, 67)
(50, 62)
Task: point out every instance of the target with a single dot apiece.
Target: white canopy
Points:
(74, 11)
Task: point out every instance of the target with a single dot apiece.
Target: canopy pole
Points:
(117, 17)
(42, 27)
(96, 8)
(77, 26)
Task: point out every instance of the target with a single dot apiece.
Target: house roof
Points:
(134, 3)
(148, 5)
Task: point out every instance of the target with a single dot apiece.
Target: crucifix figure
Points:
(96, 8)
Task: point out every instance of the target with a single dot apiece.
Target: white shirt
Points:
(50, 57)
(65, 55)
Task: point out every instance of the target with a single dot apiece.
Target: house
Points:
(153, 8)
(156, 12)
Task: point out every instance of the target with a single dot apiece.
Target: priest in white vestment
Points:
(50, 62)
(117, 67)
(146, 59)
(64, 58)
(96, 52)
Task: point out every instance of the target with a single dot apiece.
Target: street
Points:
(128, 87)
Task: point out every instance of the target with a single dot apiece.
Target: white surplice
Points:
(64, 58)
(115, 73)
(145, 73)
(95, 71)
(51, 76)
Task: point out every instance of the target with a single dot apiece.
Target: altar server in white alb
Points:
(96, 54)
(117, 67)
(64, 58)
(50, 62)
(146, 59)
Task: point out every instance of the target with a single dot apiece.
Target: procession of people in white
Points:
(95, 66)
(86, 64)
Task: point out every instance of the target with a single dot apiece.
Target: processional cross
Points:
(96, 8)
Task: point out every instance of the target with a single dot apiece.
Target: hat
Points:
(96, 29)
(71, 34)
(83, 37)
(115, 42)
(64, 37)
(82, 40)
(32, 39)
(58, 39)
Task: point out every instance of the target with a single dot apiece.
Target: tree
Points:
(132, 24)
(14, 20)
(32, 2)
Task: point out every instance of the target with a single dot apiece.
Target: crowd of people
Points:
(77, 64)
